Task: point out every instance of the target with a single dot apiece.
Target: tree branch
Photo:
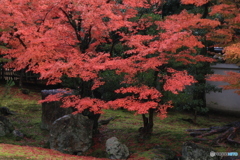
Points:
(21, 41)
(73, 24)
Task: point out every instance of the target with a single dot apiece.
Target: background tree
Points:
(232, 53)
(225, 35)
(193, 98)
(228, 12)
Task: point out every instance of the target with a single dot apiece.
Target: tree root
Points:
(228, 133)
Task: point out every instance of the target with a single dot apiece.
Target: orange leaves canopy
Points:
(143, 92)
(59, 37)
(233, 78)
(232, 51)
(195, 2)
(172, 82)
(143, 99)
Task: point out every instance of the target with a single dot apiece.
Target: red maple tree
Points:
(228, 37)
(60, 37)
(225, 35)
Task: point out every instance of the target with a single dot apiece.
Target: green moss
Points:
(167, 133)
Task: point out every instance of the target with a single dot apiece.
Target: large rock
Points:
(192, 151)
(116, 150)
(52, 110)
(6, 126)
(6, 111)
(71, 134)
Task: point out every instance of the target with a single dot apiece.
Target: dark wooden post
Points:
(52, 110)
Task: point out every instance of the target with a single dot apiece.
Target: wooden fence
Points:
(19, 76)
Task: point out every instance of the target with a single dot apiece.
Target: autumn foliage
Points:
(29, 152)
(62, 38)
(228, 36)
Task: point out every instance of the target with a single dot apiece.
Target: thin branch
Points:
(73, 24)
(205, 12)
(21, 41)
(44, 19)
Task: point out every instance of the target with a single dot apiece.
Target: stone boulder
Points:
(52, 110)
(71, 134)
(6, 126)
(6, 111)
(18, 135)
(116, 150)
(192, 151)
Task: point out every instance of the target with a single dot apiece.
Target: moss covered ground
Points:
(167, 133)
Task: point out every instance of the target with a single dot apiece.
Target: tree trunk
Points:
(195, 117)
(21, 78)
(85, 91)
(146, 130)
(3, 71)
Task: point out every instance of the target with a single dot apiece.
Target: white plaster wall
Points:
(227, 101)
